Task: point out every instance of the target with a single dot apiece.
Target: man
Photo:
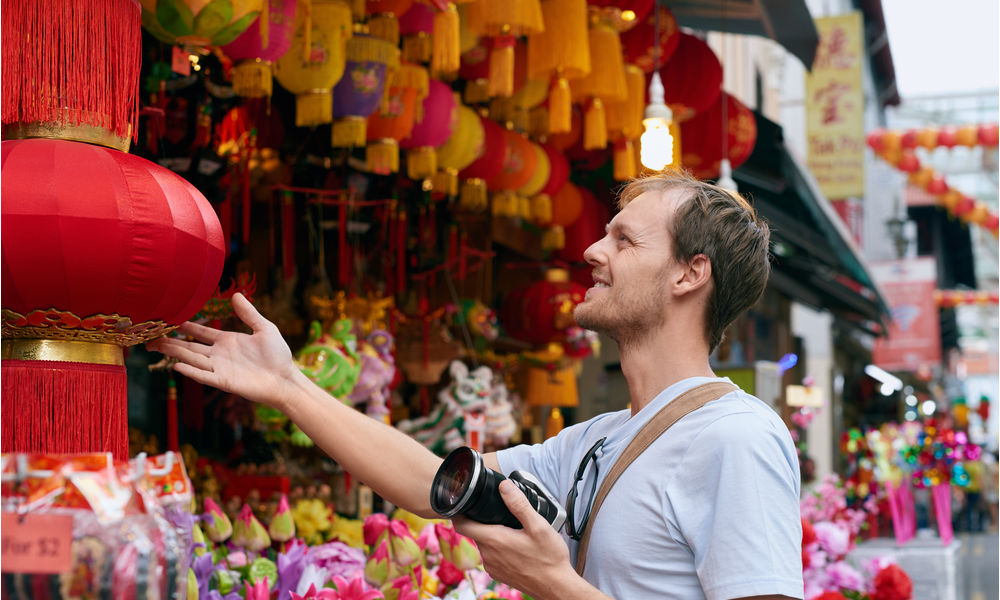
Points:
(709, 510)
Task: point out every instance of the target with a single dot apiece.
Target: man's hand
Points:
(534, 560)
(258, 366)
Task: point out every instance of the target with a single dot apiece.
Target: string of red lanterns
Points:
(951, 298)
(898, 149)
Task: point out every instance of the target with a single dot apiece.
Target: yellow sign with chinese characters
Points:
(835, 107)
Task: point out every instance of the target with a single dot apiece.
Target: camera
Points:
(464, 486)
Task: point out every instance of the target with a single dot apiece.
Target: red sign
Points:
(37, 543)
(915, 332)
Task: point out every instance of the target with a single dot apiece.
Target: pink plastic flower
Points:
(218, 528)
(833, 537)
(405, 550)
(258, 591)
(428, 541)
(313, 594)
(377, 567)
(373, 528)
(355, 589)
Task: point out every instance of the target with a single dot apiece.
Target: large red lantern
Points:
(692, 77)
(103, 249)
(703, 137)
(542, 312)
(635, 42)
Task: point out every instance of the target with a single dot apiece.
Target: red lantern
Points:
(692, 77)
(965, 206)
(937, 185)
(558, 170)
(491, 160)
(909, 163)
(541, 312)
(703, 137)
(519, 163)
(635, 42)
(874, 140)
(989, 135)
(947, 137)
(587, 229)
(103, 248)
(909, 139)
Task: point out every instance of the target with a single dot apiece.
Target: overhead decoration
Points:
(360, 91)
(383, 18)
(501, 23)
(559, 54)
(394, 120)
(624, 119)
(542, 312)
(316, 60)
(257, 48)
(567, 205)
(461, 150)
(485, 168)
(111, 251)
(558, 170)
(636, 45)
(432, 129)
(692, 77)
(706, 143)
(65, 38)
(604, 84)
(951, 298)
(416, 27)
(623, 14)
(898, 149)
(197, 23)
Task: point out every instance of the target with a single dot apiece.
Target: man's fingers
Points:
(207, 335)
(248, 314)
(519, 506)
(196, 374)
(182, 352)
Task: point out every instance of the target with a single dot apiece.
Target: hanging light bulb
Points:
(656, 149)
(726, 180)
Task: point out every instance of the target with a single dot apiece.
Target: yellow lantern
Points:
(315, 62)
(503, 22)
(605, 83)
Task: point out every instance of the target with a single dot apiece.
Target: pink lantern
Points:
(440, 116)
(264, 42)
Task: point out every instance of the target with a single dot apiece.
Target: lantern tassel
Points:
(349, 132)
(477, 91)
(554, 238)
(417, 48)
(421, 163)
(445, 182)
(445, 58)
(314, 108)
(253, 79)
(382, 156)
(385, 27)
(595, 126)
(473, 197)
(43, 401)
(624, 160)
(541, 209)
(501, 79)
(560, 106)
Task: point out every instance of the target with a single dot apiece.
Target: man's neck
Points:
(659, 361)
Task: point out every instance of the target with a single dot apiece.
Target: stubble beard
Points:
(629, 320)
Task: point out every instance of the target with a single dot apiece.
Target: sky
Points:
(944, 46)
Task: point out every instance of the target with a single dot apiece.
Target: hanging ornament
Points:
(703, 137)
(256, 49)
(359, 92)
(198, 23)
(439, 117)
(558, 54)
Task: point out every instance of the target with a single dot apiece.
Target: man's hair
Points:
(724, 227)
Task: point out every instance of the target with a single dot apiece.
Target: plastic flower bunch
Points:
(936, 456)
(312, 520)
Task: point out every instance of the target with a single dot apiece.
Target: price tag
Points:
(36, 543)
(179, 62)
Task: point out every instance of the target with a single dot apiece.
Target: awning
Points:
(815, 259)
(787, 22)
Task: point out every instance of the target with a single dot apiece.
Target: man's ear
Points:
(695, 275)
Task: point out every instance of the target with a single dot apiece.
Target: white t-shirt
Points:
(709, 510)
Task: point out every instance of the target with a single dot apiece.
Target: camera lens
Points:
(450, 490)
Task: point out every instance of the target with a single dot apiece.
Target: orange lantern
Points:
(567, 204)
(394, 120)
(519, 163)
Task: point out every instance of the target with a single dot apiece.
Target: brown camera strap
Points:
(687, 402)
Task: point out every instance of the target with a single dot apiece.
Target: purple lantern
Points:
(359, 92)
(264, 42)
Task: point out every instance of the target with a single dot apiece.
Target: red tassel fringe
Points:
(84, 56)
(64, 407)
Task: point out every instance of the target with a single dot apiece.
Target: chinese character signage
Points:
(914, 341)
(835, 108)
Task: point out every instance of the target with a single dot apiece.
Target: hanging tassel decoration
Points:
(382, 156)
(445, 182)
(385, 27)
(560, 106)
(421, 163)
(445, 57)
(595, 126)
(349, 132)
(314, 108)
(501, 78)
(624, 160)
(553, 238)
(253, 79)
(417, 48)
(541, 209)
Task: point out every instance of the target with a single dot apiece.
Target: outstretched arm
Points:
(259, 367)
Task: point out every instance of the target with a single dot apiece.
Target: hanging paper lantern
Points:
(541, 175)
(198, 23)
(475, 71)
(989, 135)
(603, 85)
(416, 26)
(394, 120)
(967, 135)
(383, 18)
(558, 170)
(256, 49)
(635, 42)
(439, 118)
(519, 163)
(585, 230)
(316, 60)
(541, 313)
(491, 160)
(111, 251)
(567, 205)
(927, 138)
(692, 77)
(937, 185)
(947, 136)
(466, 142)
(502, 23)
(560, 53)
(703, 137)
(909, 163)
(359, 92)
(50, 54)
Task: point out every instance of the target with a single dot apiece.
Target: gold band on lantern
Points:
(94, 353)
(88, 134)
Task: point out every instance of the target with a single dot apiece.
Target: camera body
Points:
(463, 486)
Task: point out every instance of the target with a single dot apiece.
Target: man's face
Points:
(631, 265)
